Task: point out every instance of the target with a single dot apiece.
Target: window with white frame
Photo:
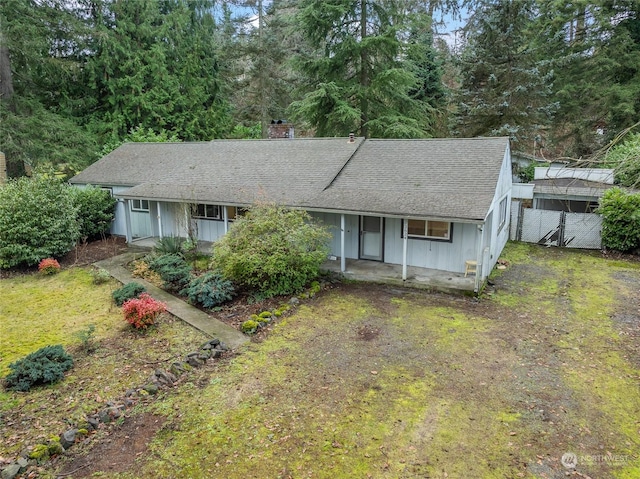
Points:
(432, 230)
(502, 210)
(140, 205)
(207, 212)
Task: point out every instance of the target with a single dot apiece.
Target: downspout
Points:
(127, 220)
(405, 241)
(343, 260)
(479, 265)
(159, 219)
(225, 217)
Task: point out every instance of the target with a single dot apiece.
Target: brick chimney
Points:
(3, 169)
(280, 129)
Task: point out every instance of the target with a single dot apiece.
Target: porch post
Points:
(343, 261)
(159, 219)
(479, 265)
(225, 217)
(405, 240)
(127, 220)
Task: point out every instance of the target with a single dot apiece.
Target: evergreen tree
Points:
(595, 51)
(154, 66)
(505, 87)
(37, 63)
(355, 70)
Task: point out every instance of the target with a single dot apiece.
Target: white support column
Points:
(187, 221)
(343, 260)
(405, 240)
(159, 219)
(479, 264)
(225, 217)
(127, 220)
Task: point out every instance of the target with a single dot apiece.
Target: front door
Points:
(371, 235)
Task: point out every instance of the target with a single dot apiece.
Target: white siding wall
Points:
(210, 230)
(443, 255)
(352, 225)
(494, 237)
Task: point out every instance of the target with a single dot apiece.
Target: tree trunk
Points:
(364, 72)
(6, 79)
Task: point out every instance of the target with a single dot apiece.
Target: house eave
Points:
(386, 214)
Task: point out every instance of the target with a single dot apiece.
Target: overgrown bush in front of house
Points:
(127, 292)
(272, 250)
(48, 266)
(209, 290)
(620, 220)
(38, 219)
(96, 211)
(44, 366)
(142, 312)
(173, 269)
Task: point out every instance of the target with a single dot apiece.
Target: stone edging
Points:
(160, 379)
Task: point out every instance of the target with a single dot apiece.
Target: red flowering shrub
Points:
(49, 266)
(142, 312)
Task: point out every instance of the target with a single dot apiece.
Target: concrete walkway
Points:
(196, 318)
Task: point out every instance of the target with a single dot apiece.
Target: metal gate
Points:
(556, 228)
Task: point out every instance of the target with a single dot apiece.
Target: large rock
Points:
(11, 471)
(68, 438)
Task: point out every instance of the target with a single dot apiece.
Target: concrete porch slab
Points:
(422, 278)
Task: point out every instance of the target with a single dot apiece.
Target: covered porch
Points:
(374, 271)
(421, 278)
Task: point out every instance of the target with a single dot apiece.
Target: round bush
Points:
(272, 250)
(38, 219)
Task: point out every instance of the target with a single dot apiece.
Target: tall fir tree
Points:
(594, 48)
(505, 88)
(355, 70)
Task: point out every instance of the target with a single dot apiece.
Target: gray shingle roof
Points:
(438, 178)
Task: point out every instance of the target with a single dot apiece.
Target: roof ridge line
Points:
(345, 164)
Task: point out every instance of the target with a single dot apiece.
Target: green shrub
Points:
(170, 245)
(127, 292)
(44, 366)
(173, 269)
(96, 211)
(100, 275)
(624, 158)
(272, 250)
(86, 338)
(209, 290)
(620, 220)
(38, 219)
(250, 326)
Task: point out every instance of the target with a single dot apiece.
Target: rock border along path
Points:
(189, 314)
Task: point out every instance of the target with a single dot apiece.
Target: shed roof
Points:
(435, 178)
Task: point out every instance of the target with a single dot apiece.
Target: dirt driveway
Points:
(540, 378)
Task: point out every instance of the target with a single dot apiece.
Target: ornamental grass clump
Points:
(48, 266)
(143, 311)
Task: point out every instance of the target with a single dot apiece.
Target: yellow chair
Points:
(470, 266)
